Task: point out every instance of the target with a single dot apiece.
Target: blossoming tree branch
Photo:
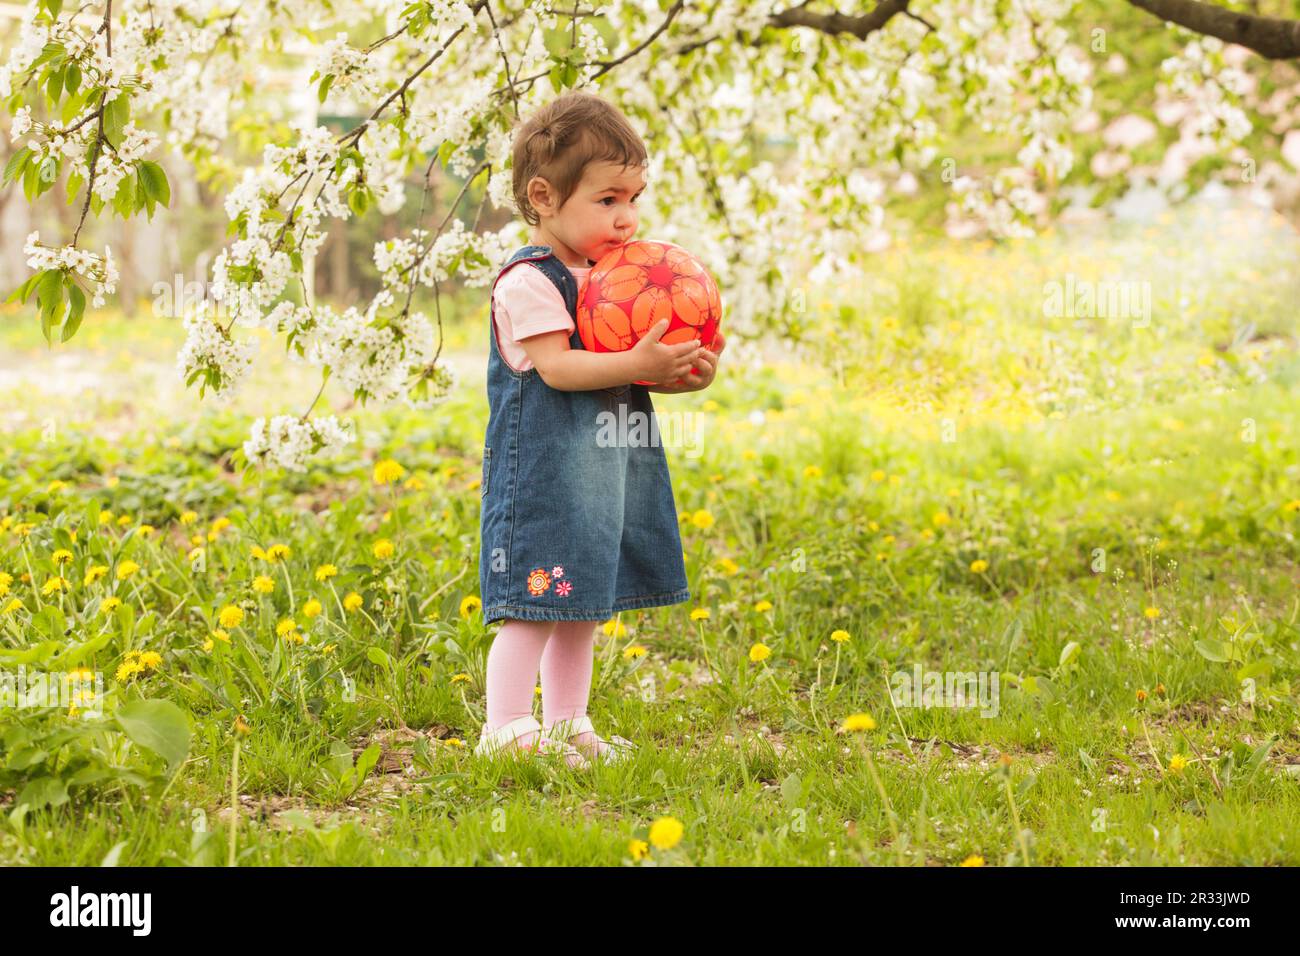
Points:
(867, 104)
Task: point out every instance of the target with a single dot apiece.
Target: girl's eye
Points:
(608, 199)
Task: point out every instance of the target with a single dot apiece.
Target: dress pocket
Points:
(487, 468)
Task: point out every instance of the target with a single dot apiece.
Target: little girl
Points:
(573, 530)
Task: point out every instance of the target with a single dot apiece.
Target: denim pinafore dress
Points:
(574, 526)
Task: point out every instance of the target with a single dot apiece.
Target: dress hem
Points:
(536, 613)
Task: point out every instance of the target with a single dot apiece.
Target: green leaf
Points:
(323, 90)
(377, 655)
(157, 725)
(43, 792)
(24, 291)
(1212, 650)
(54, 88)
(49, 295)
(116, 114)
(76, 309)
(1069, 653)
(17, 162)
(359, 200)
(155, 178)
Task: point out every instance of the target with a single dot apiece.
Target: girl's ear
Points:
(540, 196)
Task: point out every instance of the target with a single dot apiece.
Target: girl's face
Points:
(600, 215)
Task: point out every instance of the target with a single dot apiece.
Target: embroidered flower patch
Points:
(563, 588)
(538, 581)
(557, 572)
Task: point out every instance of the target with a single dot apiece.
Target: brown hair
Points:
(559, 141)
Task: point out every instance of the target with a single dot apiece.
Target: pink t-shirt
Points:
(526, 303)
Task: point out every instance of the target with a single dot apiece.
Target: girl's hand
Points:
(706, 368)
(655, 361)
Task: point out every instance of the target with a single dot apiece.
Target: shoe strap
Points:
(511, 731)
(573, 727)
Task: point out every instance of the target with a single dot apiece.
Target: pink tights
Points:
(563, 650)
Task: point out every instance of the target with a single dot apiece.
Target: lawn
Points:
(1097, 515)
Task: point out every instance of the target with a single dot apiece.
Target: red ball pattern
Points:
(639, 283)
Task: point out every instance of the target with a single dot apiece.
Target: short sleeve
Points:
(531, 303)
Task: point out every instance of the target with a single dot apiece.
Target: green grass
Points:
(844, 508)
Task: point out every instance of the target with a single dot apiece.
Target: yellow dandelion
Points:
(325, 572)
(666, 832)
(145, 530)
(94, 573)
(702, 519)
(972, 860)
(387, 471)
(1291, 507)
(59, 583)
(231, 616)
(126, 569)
(353, 601)
(128, 669)
(940, 518)
(633, 651)
(6, 579)
(700, 614)
(469, 604)
(763, 606)
(878, 476)
(151, 660)
(383, 549)
(759, 652)
(839, 636)
(414, 483)
(1152, 613)
(614, 628)
(638, 849)
(62, 556)
(105, 516)
(189, 517)
(1177, 763)
(812, 471)
(1141, 695)
(286, 626)
(277, 552)
(221, 635)
(460, 678)
(54, 486)
(13, 605)
(454, 742)
(312, 608)
(855, 723)
(207, 645)
(109, 604)
(263, 584)
(979, 566)
(728, 566)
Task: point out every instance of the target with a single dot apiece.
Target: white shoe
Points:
(617, 749)
(492, 742)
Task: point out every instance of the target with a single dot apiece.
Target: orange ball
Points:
(639, 283)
